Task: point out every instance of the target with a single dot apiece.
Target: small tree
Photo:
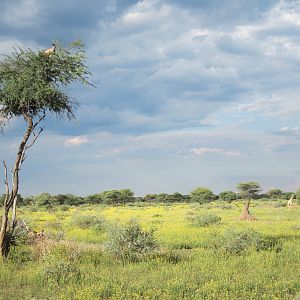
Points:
(32, 85)
(248, 191)
(274, 194)
(202, 195)
(227, 196)
(42, 199)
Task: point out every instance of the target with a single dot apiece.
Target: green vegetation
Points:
(130, 241)
(228, 260)
(205, 220)
(228, 196)
(202, 195)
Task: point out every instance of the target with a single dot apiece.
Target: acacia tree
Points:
(202, 195)
(32, 86)
(248, 191)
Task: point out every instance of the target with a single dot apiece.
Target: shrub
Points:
(94, 222)
(130, 241)
(227, 196)
(62, 272)
(279, 204)
(239, 241)
(20, 255)
(64, 207)
(274, 194)
(204, 220)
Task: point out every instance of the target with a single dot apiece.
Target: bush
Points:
(279, 204)
(239, 241)
(62, 272)
(130, 241)
(227, 196)
(204, 220)
(94, 222)
(20, 255)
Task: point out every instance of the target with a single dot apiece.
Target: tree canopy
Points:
(228, 196)
(249, 189)
(32, 84)
(202, 195)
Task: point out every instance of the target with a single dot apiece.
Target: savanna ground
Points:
(73, 263)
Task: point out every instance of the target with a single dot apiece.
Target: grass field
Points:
(73, 263)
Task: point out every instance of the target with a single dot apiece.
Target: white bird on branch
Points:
(49, 51)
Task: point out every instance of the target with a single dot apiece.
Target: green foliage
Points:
(20, 255)
(130, 242)
(279, 204)
(93, 199)
(94, 222)
(32, 84)
(202, 195)
(227, 196)
(169, 198)
(62, 272)
(274, 193)
(20, 200)
(249, 190)
(45, 199)
(67, 199)
(117, 197)
(204, 220)
(42, 199)
(239, 241)
(287, 195)
(151, 198)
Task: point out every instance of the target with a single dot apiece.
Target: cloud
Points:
(203, 150)
(76, 141)
(182, 85)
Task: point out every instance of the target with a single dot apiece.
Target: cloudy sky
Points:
(189, 93)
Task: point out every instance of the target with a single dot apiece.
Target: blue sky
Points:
(189, 93)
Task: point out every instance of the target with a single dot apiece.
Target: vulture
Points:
(49, 51)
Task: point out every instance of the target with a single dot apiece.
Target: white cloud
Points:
(290, 130)
(76, 141)
(203, 150)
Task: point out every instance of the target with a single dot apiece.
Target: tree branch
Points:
(36, 135)
(6, 185)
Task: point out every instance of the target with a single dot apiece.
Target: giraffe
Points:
(290, 202)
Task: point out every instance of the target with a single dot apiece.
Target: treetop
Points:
(32, 84)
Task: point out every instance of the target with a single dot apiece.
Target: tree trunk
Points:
(14, 214)
(3, 233)
(11, 196)
(246, 213)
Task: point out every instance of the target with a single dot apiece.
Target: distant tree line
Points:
(200, 195)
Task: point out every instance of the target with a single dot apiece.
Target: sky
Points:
(188, 93)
